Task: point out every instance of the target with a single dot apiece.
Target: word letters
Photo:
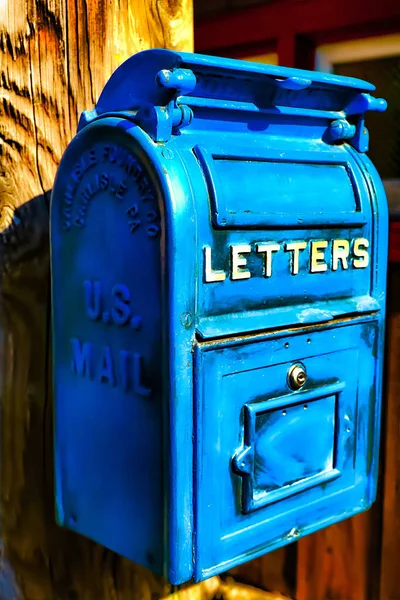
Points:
(323, 255)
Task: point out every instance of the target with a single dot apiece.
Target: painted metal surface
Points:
(219, 248)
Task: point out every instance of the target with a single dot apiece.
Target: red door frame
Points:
(294, 28)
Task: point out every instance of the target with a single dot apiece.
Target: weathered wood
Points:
(55, 56)
(358, 559)
(275, 571)
(389, 584)
(231, 590)
(340, 562)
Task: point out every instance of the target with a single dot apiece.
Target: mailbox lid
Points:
(282, 183)
(227, 84)
(275, 464)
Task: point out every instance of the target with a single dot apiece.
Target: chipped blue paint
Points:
(219, 245)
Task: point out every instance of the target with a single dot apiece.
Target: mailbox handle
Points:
(293, 83)
(183, 81)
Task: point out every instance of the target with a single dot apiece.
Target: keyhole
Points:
(297, 376)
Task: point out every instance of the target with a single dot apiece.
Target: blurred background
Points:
(347, 37)
(55, 57)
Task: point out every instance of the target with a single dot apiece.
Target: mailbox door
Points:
(275, 463)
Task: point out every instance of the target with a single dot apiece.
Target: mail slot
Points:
(219, 248)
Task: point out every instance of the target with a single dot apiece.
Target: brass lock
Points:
(297, 376)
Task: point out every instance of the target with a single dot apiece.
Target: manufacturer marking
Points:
(121, 175)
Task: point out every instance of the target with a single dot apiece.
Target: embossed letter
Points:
(209, 274)
(81, 358)
(340, 252)
(124, 369)
(133, 214)
(121, 311)
(239, 262)
(295, 247)
(138, 387)
(104, 179)
(317, 257)
(93, 299)
(92, 157)
(106, 366)
(267, 249)
(121, 189)
(110, 153)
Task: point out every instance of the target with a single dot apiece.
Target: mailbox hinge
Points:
(163, 121)
(160, 122)
(355, 131)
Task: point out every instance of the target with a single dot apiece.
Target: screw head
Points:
(167, 153)
(186, 319)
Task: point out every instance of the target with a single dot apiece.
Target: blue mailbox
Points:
(219, 243)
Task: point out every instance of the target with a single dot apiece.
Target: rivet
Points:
(167, 153)
(186, 319)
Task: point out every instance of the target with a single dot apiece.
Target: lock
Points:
(297, 376)
(214, 246)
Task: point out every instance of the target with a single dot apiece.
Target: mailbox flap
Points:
(272, 463)
(278, 455)
(280, 189)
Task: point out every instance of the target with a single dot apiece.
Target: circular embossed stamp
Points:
(110, 169)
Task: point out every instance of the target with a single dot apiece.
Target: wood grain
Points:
(274, 572)
(390, 565)
(340, 562)
(55, 57)
(359, 558)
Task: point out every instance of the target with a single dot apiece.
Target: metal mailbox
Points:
(219, 247)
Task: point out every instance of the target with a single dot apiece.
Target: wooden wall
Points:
(55, 57)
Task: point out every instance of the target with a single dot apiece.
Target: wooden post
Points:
(55, 57)
(389, 583)
(342, 561)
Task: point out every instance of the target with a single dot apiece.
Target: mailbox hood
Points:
(155, 78)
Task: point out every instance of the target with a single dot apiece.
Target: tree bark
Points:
(55, 57)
